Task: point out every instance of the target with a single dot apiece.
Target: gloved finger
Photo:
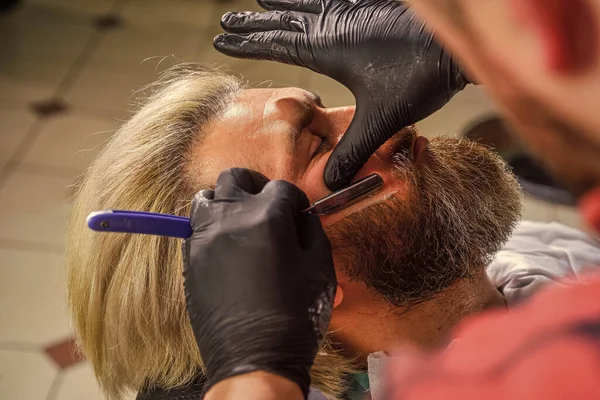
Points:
(271, 45)
(207, 194)
(247, 22)
(200, 209)
(238, 182)
(309, 6)
(288, 197)
(315, 242)
(366, 133)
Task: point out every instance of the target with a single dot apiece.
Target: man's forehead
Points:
(264, 95)
(256, 121)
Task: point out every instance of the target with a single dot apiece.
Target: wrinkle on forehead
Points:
(269, 108)
(237, 110)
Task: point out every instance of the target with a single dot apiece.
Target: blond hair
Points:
(126, 291)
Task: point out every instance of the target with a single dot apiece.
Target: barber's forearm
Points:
(255, 386)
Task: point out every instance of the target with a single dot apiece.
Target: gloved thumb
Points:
(369, 129)
(235, 182)
(286, 197)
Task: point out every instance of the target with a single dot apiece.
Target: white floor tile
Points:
(83, 8)
(70, 141)
(272, 74)
(25, 376)
(131, 49)
(207, 55)
(27, 81)
(332, 93)
(160, 15)
(14, 124)
(42, 34)
(79, 383)
(32, 298)
(34, 208)
(109, 91)
(221, 7)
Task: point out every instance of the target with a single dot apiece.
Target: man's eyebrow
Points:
(316, 98)
(306, 117)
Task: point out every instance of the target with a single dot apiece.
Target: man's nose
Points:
(339, 119)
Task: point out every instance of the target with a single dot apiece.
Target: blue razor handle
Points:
(140, 222)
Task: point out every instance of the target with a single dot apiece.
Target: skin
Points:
(364, 322)
(255, 386)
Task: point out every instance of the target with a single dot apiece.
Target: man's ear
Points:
(339, 297)
(566, 29)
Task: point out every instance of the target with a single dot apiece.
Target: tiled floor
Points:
(68, 71)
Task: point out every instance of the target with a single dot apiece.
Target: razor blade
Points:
(148, 223)
(343, 198)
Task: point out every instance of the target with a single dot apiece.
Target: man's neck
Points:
(426, 326)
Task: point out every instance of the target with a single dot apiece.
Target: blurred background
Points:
(69, 72)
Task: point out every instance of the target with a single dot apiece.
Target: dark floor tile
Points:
(64, 353)
(108, 22)
(48, 108)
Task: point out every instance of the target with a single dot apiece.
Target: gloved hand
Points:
(378, 49)
(259, 278)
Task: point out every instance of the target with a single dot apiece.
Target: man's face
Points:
(445, 207)
(540, 60)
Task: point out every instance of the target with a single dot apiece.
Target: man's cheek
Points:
(312, 180)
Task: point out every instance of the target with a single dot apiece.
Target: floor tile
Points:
(465, 108)
(79, 384)
(41, 33)
(221, 7)
(83, 8)
(109, 92)
(32, 298)
(205, 52)
(125, 48)
(207, 55)
(27, 81)
(169, 15)
(49, 107)
(332, 93)
(65, 353)
(25, 376)
(70, 142)
(34, 208)
(538, 210)
(14, 124)
(272, 74)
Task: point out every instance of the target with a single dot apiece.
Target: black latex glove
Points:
(259, 278)
(376, 48)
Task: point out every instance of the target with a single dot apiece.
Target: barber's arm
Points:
(259, 284)
(378, 49)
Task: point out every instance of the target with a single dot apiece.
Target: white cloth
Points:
(537, 253)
